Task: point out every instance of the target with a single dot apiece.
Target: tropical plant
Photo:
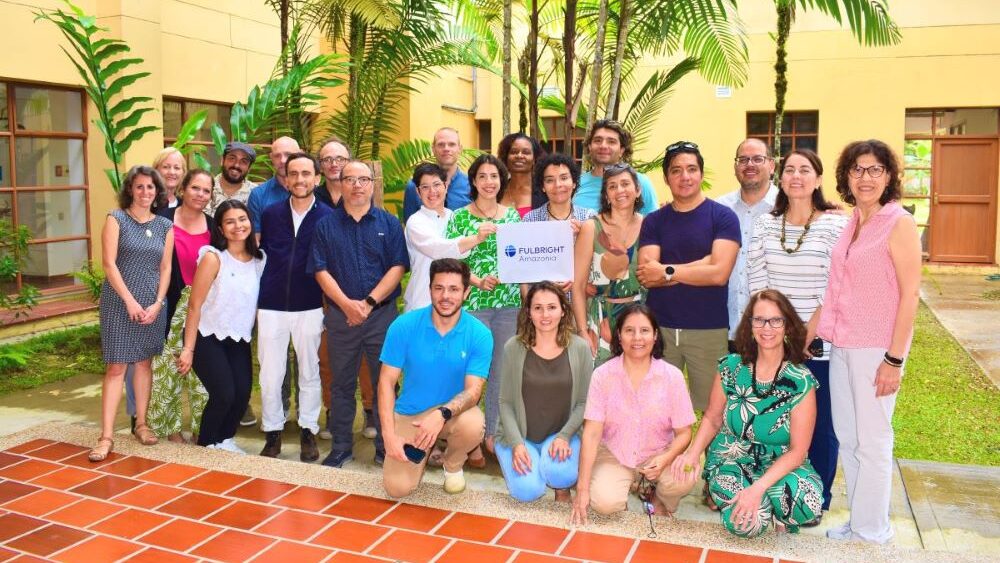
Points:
(13, 257)
(99, 61)
(92, 278)
(397, 168)
(869, 21)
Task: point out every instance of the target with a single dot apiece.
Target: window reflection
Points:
(43, 109)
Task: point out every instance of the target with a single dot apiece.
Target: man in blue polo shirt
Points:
(446, 148)
(446, 354)
(358, 257)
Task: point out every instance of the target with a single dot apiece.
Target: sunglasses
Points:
(681, 145)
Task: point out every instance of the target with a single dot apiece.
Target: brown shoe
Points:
(272, 445)
(145, 435)
(102, 450)
(309, 452)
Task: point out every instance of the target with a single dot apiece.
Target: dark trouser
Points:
(345, 346)
(225, 369)
(824, 446)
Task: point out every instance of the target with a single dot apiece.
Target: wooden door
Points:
(963, 200)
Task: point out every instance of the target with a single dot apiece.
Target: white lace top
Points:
(230, 307)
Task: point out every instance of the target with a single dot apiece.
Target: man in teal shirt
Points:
(608, 143)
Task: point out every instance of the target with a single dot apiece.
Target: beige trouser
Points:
(697, 352)
(463, 432)
(611, 483)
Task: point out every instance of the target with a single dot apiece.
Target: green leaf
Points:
(123, 81)
(116, 66)
(134, 135)
(190, 128)
(201, 162)
(126, 104)
(219, 138)
(113, 48)
(128, 122)
(114, 179)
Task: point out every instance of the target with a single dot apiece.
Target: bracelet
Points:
(892, 360)
(888, 363)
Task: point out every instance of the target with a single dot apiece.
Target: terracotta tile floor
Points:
(54, 505)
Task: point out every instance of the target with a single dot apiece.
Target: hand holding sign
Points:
(533, 252)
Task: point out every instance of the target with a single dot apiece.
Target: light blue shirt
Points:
(435, 365)
(263, 196)
(739, 280)
(588, 193)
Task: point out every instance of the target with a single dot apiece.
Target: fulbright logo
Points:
(533, 253)
(510, 250)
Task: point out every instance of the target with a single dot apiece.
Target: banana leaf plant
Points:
(106, 71)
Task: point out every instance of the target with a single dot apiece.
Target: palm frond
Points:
(869, 20)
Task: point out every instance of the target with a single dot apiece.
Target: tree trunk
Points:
(786, 12)
(522, 104)
(533, 72)
(506, 65)
(595, 76)
(569, 60)
(356, 50)
(616, 75)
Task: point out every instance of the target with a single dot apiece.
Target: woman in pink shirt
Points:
(638, 419)
(867, 314)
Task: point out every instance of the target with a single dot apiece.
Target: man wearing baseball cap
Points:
(231, 182)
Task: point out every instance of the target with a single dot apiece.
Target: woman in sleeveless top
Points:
(519, 153)
(606, 258)
(221, 315)
(137, 245)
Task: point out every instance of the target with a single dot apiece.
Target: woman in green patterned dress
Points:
(760, 420)
(495, 304)
(606, 254)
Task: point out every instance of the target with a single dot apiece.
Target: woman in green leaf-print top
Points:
(494, 303)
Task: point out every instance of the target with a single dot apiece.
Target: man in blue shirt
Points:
(446, 148)
(276, 188)
(446, 354)
(358, 257)
(608, 143)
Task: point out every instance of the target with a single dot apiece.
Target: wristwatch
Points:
(668, 272)
(371, 301)
(445, 413)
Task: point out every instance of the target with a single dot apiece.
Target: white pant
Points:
(273, 331)
(863, 424)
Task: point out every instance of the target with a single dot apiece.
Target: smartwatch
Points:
(445, 413)
(668, 272)
(371, 301)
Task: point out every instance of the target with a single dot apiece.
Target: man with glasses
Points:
(275, 189)
(358, 257)
(231, 182)
(608, 143)
(447, 148)
(754, 168)
(333, 155)
(686, 254)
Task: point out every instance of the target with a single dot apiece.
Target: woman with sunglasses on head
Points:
(867, 315)
(637, 420)
(495, 304)
(758, 425)
(546, 376)
(606, 256)
(519, 153)
(790, 252)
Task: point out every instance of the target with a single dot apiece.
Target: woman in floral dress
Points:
(495, 304)
(760, 420)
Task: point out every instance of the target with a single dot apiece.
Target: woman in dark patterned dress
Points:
(760, 420)
(137, 247)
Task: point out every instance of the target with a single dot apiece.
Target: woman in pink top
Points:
(192, 230)
(867, 314)
(638, 419)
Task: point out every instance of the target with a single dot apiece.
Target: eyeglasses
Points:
(681, 145)
(437, 186)
(775, 322)
(338, 160)
(875, 171)
(756, 159)
(363, 181)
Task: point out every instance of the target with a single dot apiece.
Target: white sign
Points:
(723, 92)
(536, 251)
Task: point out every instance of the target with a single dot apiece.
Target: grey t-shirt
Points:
(546, 388)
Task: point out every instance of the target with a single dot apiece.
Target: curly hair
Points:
(526, 329)
(125, 195)
(554, 159)
(884, 155)
(624, 138)
(503, 149)
(487, 158)
(636, 309)
(795, 330)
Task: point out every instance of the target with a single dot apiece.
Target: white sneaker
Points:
(229, 445)
(324, 434)
(842, 532)
(454, 483)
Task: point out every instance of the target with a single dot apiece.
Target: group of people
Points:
(790, 317)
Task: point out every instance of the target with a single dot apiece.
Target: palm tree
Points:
(869, 21)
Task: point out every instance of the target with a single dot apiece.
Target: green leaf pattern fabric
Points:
(165, 412)
(482, 260)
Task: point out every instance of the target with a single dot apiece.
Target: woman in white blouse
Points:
(790, 251)
(219, 323)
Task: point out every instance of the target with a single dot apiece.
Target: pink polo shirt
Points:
(862, 297)
(638, 423)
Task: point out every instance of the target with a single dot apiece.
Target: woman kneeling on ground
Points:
(546, 373)
(638, 419)
(764, 402)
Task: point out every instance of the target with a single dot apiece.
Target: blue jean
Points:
(544, 472)
(824, 446)
(503, 324)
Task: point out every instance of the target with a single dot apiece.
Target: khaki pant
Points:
(611, 483)
(463, 432)
(696, 352)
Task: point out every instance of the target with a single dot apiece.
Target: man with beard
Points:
(446, 148)
(275, 189)
(333, 155)
(358, 257)
(231, 182)
(290, 306)
(608, 143)
(754, 167)
(445, 353)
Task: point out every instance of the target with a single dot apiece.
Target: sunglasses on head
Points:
(680, 145)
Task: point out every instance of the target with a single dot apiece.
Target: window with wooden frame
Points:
(799, 129)
(557, 140)
(43, 180)
(177, 111)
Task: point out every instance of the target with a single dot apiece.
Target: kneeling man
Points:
(446, 354)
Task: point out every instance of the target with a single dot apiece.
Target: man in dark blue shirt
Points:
(447, 148)
(358, 257)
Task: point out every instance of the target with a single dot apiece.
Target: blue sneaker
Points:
(338, 458)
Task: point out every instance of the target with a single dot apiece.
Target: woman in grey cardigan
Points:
(546, 374)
